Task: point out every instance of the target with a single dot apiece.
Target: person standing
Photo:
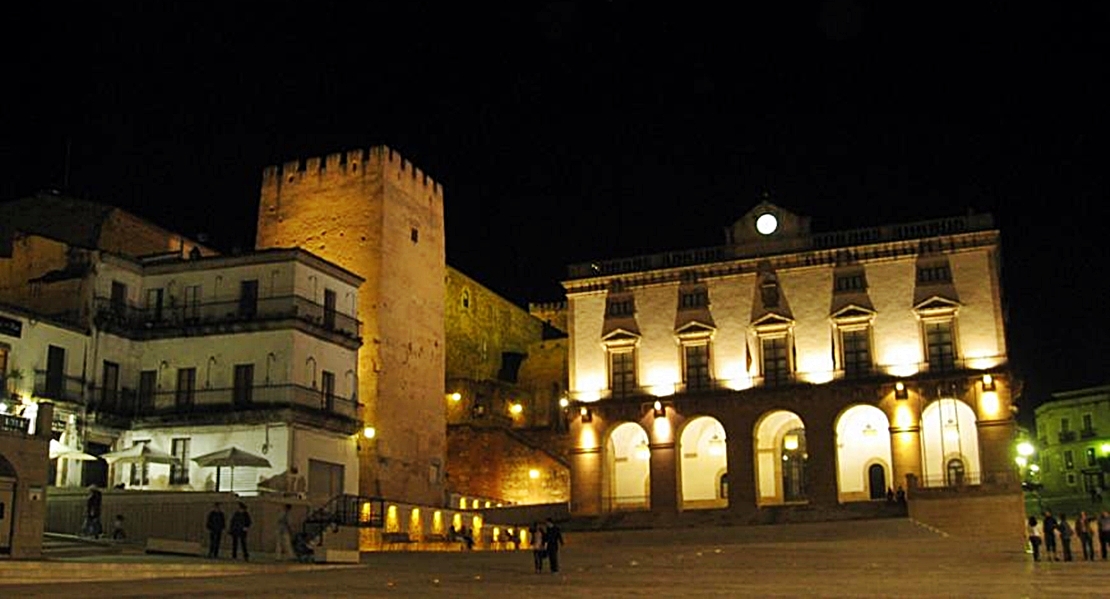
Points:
(92, 526)
(1065, 536)
(1035, 537)
(215, 525)
(538, 551)
(1050, 536)
(284, 535)
(1104, 531)
(1084, 529)
(552, 540)
(240, 524)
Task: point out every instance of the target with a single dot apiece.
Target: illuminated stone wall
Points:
(495, 463)
(377, 215)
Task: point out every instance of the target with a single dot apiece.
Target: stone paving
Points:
(874, 558)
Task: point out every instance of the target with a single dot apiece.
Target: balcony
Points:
(170, 320)
(1087, 433)
(59, 388)
(127, 404)
(1066, 436)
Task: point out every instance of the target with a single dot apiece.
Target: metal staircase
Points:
(343, 510)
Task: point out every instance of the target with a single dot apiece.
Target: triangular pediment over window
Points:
(936, 304)
(695, 329)
(773, 321)
(853, 313)
(620, 337)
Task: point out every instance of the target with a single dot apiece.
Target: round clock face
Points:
(766, 224)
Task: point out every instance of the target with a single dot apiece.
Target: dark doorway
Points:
(55, 371)
(876, 481)
(95, 472)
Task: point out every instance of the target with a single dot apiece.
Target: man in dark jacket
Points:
(552, 540)
(240, 522)
(215, 526)
(1050, 536)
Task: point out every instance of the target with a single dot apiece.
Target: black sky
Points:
(564, 131)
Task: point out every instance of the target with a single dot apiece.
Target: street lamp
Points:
(1025, 449)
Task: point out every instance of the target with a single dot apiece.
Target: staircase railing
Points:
(343, 510)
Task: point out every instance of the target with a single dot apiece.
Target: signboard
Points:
(10, 327)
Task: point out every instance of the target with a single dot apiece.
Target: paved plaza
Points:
(879, 558)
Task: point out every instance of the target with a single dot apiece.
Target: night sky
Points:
(564, 132)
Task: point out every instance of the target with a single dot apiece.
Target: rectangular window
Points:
(1071, 479)
(619, 307)
(770, 295)
(119, 298)
(140, 474)
(55, 371)
(192, 302)
(856, 345)
(1069, 460)
(934, 274)
(940, 346)
(696, 359)
(1065, 425)
(855, 282)
(329, 309)
(622, 372)
(244, 384)
(776, 365)
(327, 386)
(154, 305)
(185, 395)
(147, 384)
(179, 473)
(248, 298)
(694, 299)
(1091, 459)
(1088, 423)
(109, 389)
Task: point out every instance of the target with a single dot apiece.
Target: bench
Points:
(174, 546)
(337, 556)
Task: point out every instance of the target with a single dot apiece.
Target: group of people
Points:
(546, 541)
(92, 526)
(239, 526)
(1056, 533)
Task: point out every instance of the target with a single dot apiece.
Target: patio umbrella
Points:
(61, 450)
(141, 455)
(230, 457)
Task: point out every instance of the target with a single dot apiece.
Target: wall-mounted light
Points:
(988, 382)
(586, 414)
(456, 396)
(716, 446)
(563, 402)
(533, 474)
(900, 391)
(515, 409)
(369, 432)
(660, 411)
(790, 442)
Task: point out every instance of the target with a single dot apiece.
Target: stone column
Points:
(664, 496)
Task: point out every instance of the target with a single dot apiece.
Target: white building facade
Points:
(787, 367)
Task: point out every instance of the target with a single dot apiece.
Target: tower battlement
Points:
(352, 163)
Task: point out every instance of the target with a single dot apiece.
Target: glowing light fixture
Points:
(533, 474)
(516, 408)
(456, 396)
(369, 432)
(900, 391)
(988, 382)
(790, 442)
(1021, 461)
(563, 402)
(1025, 449)
(3, 408)
(869, 431)
(1034, 468)
(716, 446)
(660, 411)
(643, 452)
(587, 415)
(766, 223)
(1105, 448)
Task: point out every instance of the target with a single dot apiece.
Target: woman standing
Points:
(538, 552)
(1035, 537)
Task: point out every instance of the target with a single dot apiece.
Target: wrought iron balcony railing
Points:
(125, 402)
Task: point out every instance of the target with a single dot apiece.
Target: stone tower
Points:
(377, 215)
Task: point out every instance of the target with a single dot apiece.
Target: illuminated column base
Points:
(905, 450)
(664, 494)
(585, 481)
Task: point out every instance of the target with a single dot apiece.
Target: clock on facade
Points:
(766, 223)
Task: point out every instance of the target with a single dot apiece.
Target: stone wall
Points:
(496, 463)
(481, 326)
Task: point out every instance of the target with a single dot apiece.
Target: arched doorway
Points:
(628, 469)
(703, 448)
(780, 459)
(863, 455)
(950, 439)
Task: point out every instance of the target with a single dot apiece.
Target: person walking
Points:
(1036, 536)
(215, 525)
(1085, 530)
(552, 540)
(1066, 533)
(240, 524)
(92, 526)
(1104, 531)
(1050, 537)
(538, 551)
(284, 535)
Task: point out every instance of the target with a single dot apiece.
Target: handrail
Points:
(343, 510)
